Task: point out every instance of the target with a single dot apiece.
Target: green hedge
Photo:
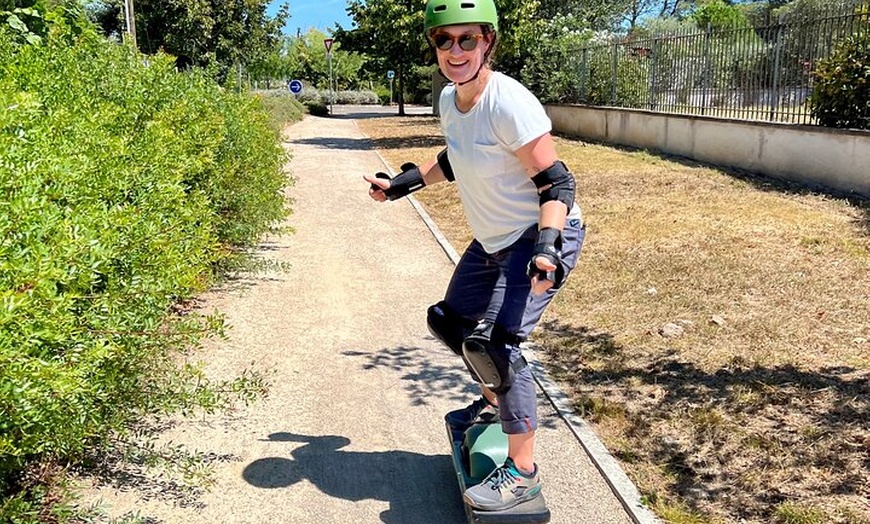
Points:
(283, 108)
(123, 185)
(841, 95)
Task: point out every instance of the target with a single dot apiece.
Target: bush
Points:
(311, 95)
(357, 98)
(125, 184)
(283, 108)
(317, 109)
(841, 94)
(383, 94)
(552, 67)
(597, 86)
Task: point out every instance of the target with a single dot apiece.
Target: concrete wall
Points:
(816, 156)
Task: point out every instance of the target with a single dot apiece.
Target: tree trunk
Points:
(400, 96)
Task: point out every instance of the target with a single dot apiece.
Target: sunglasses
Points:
(445, 42)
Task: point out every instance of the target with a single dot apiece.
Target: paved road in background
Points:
(352, 429)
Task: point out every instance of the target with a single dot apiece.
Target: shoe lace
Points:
(500, 477)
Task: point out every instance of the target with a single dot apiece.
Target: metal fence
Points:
(760, 73)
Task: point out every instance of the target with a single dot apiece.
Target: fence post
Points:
(613, 76)
(774, 103)
(705, 74)
(653, 80)
(584, 77)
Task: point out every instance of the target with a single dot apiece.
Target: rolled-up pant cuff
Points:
(518, 407)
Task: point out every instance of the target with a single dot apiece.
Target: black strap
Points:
(549, 246)
(556, 183)
(405, 183)
(444, 164)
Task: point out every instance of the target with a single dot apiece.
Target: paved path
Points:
(352, 428)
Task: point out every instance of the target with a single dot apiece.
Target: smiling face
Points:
(461, 50)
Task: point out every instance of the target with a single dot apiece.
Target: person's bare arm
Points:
(537, 156)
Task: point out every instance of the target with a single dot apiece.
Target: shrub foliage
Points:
(124, 185)
(841, 96)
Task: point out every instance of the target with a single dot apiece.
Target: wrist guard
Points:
(405, 183)
(549, 246)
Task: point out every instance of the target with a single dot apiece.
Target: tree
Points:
(635, 10)
(108, 16)
(9, 5)
(304, 58)
(390, 34)
(672, 8)
(718, 15)
(519, 34)
(209, 32)
(269, 67)
(598, 14)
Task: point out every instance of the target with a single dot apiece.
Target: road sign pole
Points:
(391, 74)
(328, 43)
(331, 85)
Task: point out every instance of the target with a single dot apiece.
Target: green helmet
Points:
(456, 12)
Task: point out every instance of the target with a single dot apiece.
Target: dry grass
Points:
(758, 411)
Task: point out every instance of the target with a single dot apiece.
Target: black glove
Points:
(405, 183)
(549, 246)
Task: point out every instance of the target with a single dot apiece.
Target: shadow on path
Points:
(419, 488)
(353, 112)
(423, 377)
(368, 144)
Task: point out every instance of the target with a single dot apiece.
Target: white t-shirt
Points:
(499, 199)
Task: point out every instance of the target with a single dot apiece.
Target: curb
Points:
(619, 483)
(621, 486)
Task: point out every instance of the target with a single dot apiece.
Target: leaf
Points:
(16, 23)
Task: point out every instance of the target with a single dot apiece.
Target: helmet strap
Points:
(472, 79)
(482, 65)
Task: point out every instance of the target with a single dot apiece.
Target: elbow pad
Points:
(558, 184)
(444, 164)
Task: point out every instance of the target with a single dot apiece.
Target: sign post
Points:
(391, 74)
(328, 43)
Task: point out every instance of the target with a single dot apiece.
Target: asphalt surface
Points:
(352, 428)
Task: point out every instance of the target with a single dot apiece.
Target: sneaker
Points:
(478, 411)
(504, 488)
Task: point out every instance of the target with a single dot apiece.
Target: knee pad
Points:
(448, 327)
(487, 354)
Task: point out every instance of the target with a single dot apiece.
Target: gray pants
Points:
(495, 287)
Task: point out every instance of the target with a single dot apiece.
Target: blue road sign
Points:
(391, 74)
(295, 86)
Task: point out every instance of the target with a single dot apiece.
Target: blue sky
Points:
(322, 14)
